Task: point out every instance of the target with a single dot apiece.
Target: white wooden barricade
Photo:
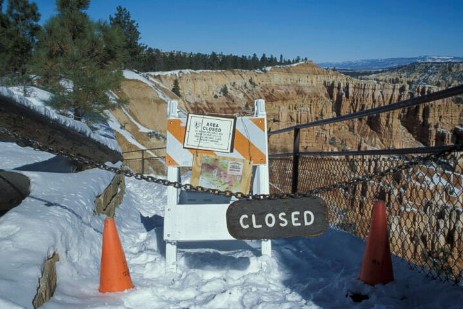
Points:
(206, 220)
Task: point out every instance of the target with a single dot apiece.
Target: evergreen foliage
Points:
(79, 60)
(129, 28)
(18, 32)
(176, 88)
(224, 90)
(153, 59)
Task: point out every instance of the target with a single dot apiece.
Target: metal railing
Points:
(422, 188)
(450, 92)
(151, 161)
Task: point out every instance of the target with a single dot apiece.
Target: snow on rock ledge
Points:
(44, 125)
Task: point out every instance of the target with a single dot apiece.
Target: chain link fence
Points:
(424, 202)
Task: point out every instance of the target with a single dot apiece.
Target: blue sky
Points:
(331, 30)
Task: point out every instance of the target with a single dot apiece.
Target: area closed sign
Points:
(210, 133)
(280, 218)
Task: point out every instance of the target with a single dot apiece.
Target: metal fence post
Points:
(297, 140)
(143, 162)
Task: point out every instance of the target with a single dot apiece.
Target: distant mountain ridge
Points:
(438, 74)
(380, 64)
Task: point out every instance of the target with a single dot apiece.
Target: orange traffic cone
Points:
(114, 275)
(377, 262)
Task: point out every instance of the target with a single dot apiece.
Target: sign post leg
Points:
(262, 178)
(169, 221)
(171, 256)
(266, 247)
(261, 185)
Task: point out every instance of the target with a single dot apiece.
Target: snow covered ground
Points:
(58, 215)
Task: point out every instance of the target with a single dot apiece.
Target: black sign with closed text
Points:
(281, 218)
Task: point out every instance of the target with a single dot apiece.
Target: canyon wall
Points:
(298, 94)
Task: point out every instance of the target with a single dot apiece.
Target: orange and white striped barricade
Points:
(198, 221)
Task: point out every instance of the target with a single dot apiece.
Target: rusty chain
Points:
(240, 195)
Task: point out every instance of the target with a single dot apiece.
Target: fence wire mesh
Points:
(424, 203)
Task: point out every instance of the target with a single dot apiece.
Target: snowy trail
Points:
(228, 274)
(320, 272)
(303, 273)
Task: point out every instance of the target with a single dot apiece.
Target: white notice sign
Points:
(210, 133)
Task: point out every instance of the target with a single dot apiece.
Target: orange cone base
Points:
(377, 261)
(114, 275)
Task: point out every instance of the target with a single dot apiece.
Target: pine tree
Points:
(79, 60)
(176, 88)
(18, 32)
(129, 27)
(254, 62)
(224, 90)
(214, 61)
(263, 60)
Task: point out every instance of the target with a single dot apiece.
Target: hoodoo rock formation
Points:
(296, 94)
